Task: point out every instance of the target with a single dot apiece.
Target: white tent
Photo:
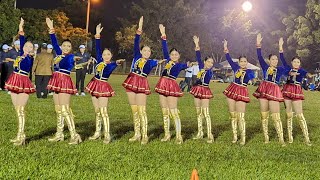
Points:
(226, 65)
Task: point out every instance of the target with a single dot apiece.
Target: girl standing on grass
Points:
(19, 83)
(168, 89)
(100, 89)
(237, 94)
(293, 94)
(137, 86)
(269, 93)
(202, 93)
(63, 87)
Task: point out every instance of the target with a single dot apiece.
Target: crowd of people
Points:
(53, 74)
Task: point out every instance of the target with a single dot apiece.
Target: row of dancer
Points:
(138, 89)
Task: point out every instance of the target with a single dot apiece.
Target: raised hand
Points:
(281, 44)
(49, 23)
(161, 61)
(225, 44)
(259, 39)
(162, 29)
(196, 40)
(119, 61)
(21, 25)
(98, 29)
(140, 23)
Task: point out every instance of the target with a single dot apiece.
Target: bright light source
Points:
(247, 6)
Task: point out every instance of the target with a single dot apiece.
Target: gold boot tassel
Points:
(242, 127)
(136, 122)
(304, 127)
(199, 118)
(206, 114)
(97, 133)
(264, 120)
(166, 125)
(144, 124)
(106, 124)
(59, 136)
(289, 126)
(278, 125)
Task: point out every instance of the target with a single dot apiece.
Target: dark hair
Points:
(270, 55)
(296, 57)
(143, 46)
(44, 46)
(67, 40)
(108, 50)
(242, 56)
(208, 57)
(174, 49)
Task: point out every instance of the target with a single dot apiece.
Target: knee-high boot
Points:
(144, 124)
(59, 136)
(233, 119)
(166, 124)
(206, 114)
(68, 116)
(289, 126)
(242, 127)
(136, 122)
(106, 124)
(97, 133)
(175, 116)
(264, 121)
(304, 128)
(278, 125)
(199, 119)
(21, 137)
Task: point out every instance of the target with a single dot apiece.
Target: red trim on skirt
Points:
(292, 92)
(19, 83)
(99, 88)
(237, 92)
(201, 92)
(168, 87)
(61, 83)
(137, 84)
(270, 91)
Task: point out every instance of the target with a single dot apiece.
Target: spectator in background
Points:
(81, 68)
(195, 71)
(13, 54)
(4, 55)
(42, 68)
(188, 79)
(36, 46)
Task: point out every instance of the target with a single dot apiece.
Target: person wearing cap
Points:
(3, 66)
(42, 68)
(81, 68)
(36, 46)
(12, 55)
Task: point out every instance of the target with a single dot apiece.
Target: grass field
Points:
(40, 159)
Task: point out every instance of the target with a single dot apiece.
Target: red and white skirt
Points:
(270, 91)
(137, 84)
(99, 88)
(61, 83)
(292, 92)
(19, 83)
(237, 92)
(201, 92)
(168, 87)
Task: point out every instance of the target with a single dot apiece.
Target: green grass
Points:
(40, 159)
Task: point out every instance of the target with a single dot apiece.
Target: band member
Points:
(238, 95)
(62, 86)
(168, 89)
(100, 89)
(19, 83)
(269, 93)
(81, 68)
(293, 94)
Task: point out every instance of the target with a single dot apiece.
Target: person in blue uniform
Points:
(137, 86)
(202, 93)
(81, 69)
(100, 89)
(169, 90)
(19, 83)
(269, 93)
(62, 86)
(238, 95)
(293, 94)
(4, 54)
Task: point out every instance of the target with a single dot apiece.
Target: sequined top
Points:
(204, 75)
(23, 64)
(270, 74)
(242, 76)
(103, 70)
(63, 63)
(141, 66)
(171, 69)
(293, 79)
